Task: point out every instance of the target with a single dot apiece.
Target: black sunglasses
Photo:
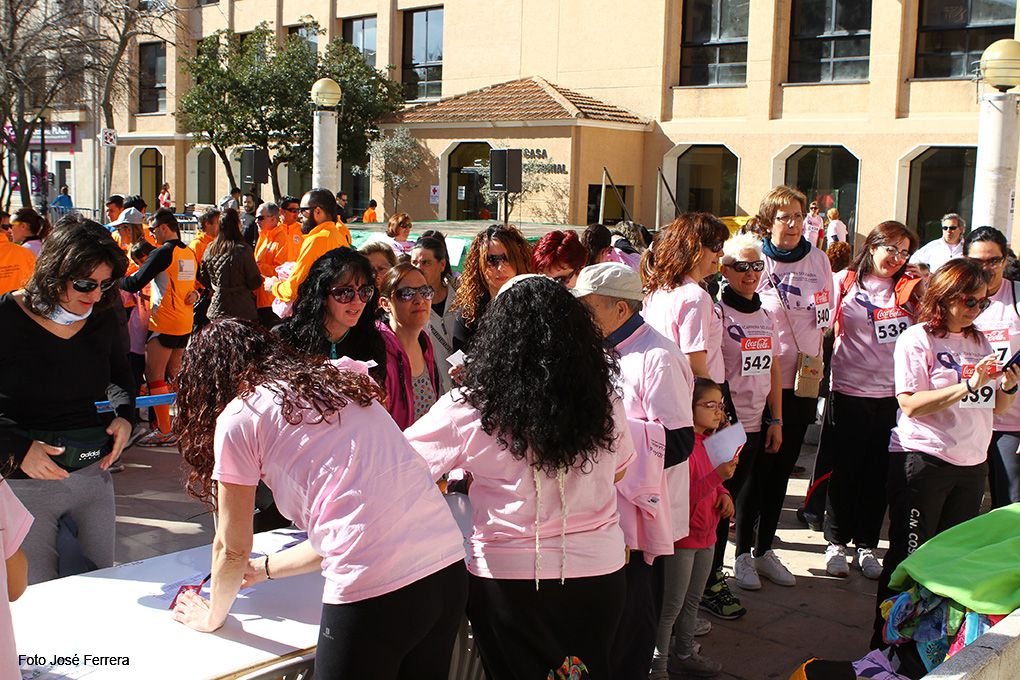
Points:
(88, 285)
(495, 260)
(973, 302)
(757, 265)
(949, 228)
(345, 294)
(292, 210)
(407, 293)
(715, 247)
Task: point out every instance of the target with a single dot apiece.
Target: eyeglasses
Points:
(756, 265)
(494, 261)
(945, 228)
(292, 210)
(790, 219)
(893, 251)
(345, 294)
(88, 285)
(259, 218)
(716, 247)
(988, 263)
(980, 303)
(712, 405)
(309, 209)
(408, 293)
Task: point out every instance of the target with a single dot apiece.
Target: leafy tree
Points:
(395, 161)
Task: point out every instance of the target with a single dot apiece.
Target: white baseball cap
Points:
(129, 216)
(611, 279)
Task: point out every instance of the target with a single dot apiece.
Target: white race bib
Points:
(985, 397)
(889, 324)
(755, 356)
(185, 269)
(999, 339)
(823, 313)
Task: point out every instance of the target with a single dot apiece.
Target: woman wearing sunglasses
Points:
(796, 291)
(496, 255)
(749, 347)
(875, 303)
(334, 314)
(61, 351)
(412, 382)
(1001, 325)
(683, 255)
(948, 384)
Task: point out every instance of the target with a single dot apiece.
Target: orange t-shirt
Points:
(271, 250)
(170, 313)
(200, 243)
(369, 216)
(16, 266)
(294, 240)
(319, 241)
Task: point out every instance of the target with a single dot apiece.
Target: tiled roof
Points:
(526, 99)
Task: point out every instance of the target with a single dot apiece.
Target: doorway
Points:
(468, 177)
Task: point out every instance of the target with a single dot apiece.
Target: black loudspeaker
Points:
(505, 167)
(254, 166)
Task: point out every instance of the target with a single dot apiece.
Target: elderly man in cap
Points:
(657, 383)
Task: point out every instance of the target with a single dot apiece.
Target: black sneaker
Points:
(719, 601)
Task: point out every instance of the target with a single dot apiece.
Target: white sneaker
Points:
(702, 627)
(745, 573)
(769, 566)
(835, 560)
(869, 564)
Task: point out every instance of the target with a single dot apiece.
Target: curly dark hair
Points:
(544, 388)
(956, 279)
(73, 250)
(228, 359)
(305, 330)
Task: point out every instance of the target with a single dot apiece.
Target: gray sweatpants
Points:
(87, 497)
(686, 572)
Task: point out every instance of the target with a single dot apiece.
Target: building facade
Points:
(867, 107)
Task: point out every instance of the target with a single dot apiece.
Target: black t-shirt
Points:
(48, 383)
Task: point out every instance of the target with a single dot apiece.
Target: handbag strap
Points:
(782, 303)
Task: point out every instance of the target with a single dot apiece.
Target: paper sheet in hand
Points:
(725, 444)
(456, 359)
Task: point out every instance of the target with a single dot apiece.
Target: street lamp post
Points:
(998, 125)
(326, 94)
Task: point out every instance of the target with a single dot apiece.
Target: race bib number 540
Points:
(823, 312)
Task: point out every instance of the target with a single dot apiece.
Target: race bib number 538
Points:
(889, 324)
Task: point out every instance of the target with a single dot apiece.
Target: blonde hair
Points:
(737, 244)
(776, 199)
(832, 214)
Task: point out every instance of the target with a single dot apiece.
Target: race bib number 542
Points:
(755, 356)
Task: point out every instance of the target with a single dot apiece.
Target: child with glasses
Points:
(688, 569)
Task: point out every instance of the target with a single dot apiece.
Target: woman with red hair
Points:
(560, 256)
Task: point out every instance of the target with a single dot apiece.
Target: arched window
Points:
(706, 180)
(941, 181)
(150, 165)
(828, 175)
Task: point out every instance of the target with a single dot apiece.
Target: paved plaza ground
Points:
(822, 616)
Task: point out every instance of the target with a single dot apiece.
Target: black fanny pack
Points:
(82, 447)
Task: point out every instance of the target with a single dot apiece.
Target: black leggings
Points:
(406, 634)
(770, 474)
(927, 495)
(524, 633)
(740, 491)
(1004, 468)
(860, 463)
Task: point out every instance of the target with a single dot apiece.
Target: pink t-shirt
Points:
(923, 362)
(687, 316)
(1001, 326)
(365, 498)
(801, 284)
(657, 386)
(862, 356)
(747, 340)
(508, 502)
(813, 226)
(15, 521)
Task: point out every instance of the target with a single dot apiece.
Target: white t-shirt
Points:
(837, 231)
(936, 253)
(813, 226)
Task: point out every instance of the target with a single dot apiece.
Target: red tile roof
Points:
(526, 99)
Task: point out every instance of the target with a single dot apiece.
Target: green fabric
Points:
(976, 564)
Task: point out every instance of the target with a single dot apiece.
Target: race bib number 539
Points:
(985, 396)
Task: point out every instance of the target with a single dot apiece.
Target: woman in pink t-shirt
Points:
(537, 424)
(796, 291)
(870, 314)
(753, 372)
(1001, 325)
(948, 383)
(252, 409)
(15, 522)
(560, 256)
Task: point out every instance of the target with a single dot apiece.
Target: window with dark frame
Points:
(152, 77)
(360, 33)
(952, 34)
(830, 41)
(713, 48)
(309, 33)
(423, 54)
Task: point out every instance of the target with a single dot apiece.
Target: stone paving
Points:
(821, 616)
